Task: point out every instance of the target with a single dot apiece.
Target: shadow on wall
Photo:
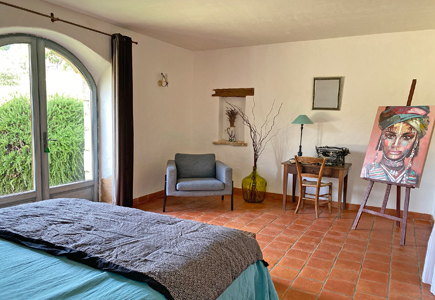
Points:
(319, 119)
(280, 145)
(356, 185)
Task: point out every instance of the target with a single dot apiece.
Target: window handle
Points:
(45, 142)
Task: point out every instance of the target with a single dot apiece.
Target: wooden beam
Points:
(240, 92)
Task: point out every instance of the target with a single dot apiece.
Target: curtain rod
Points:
(54, 19)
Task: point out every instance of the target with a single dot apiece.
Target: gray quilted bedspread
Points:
(190, 259)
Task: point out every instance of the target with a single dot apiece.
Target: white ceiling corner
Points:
(215, 24)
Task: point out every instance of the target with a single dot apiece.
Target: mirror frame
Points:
(333, 98)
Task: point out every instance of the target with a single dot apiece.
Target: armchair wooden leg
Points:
(222, 197)
(232, 194)
(165, 196)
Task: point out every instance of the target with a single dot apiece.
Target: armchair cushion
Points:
(200, 184)
(195, 165)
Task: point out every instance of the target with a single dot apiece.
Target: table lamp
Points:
(302, 119)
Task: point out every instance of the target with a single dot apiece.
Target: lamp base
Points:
(300, 150)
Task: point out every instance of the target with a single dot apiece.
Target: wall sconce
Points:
(164, 82)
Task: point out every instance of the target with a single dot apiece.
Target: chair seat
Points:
(314, 183)
(199, 184)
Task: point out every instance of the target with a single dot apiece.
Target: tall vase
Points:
(254, 187)
(231, 133)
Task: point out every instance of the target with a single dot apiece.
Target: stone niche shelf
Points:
(236, 143)
(231, 93)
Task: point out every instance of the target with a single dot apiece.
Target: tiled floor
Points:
(323, 258)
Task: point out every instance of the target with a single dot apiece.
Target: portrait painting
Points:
(399, 144)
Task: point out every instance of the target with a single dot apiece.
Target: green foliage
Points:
(65, 121)
(59, 61)
(8, 79)
(15, 146)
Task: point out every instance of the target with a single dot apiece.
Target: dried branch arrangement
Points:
(259, 136)
(232, 114)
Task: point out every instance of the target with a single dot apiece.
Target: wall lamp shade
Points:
(302, 119)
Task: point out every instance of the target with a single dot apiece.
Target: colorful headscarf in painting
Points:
(415, 116)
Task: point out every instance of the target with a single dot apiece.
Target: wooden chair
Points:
(303, 184)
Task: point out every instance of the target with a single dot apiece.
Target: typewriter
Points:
(334, 155)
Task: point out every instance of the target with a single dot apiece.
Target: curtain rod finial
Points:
(53, 19)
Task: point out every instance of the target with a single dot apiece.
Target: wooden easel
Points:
(399, 221)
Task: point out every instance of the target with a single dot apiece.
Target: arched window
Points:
(48, 122)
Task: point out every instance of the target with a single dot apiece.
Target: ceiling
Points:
(217, 24)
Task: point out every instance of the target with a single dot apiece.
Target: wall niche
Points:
(237, 97)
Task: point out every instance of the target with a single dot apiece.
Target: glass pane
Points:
(68, 121)
(16, 145)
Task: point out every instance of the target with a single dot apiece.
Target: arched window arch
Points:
(48, 122)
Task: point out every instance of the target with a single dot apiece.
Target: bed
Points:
(78, 249)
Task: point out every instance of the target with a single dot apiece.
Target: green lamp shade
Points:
(302, 119)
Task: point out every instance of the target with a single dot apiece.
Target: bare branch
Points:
(259, 137)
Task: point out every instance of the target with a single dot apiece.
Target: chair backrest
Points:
(195, 165)
(310, 160)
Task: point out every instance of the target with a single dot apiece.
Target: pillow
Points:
(195, 165)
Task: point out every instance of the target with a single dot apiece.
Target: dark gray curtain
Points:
(122, 75)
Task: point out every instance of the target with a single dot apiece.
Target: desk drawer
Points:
(327, 172)
(310, 170)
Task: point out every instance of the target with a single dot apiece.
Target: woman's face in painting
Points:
(397, 140)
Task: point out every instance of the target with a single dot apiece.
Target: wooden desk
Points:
(339, 172)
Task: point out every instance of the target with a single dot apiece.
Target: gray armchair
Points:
(197, 175)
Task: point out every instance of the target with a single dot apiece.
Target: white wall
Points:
(161, 115)
(378, 70)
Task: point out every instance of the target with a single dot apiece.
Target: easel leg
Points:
(366, 197)
(405, 217)
(398, 205)
(387, 195)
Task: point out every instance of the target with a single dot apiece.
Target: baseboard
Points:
(145, 198)
(351, 206)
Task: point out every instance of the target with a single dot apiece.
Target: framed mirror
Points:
(327, 93)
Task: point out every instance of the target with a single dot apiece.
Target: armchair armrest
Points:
(224, 173)
(171, 176)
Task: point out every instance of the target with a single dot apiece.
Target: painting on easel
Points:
(399, 144)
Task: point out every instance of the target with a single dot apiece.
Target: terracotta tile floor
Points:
(323, 258)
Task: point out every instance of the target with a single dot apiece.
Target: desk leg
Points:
(345, 191)
(284, 188)
(294, 177)
(340, 193)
